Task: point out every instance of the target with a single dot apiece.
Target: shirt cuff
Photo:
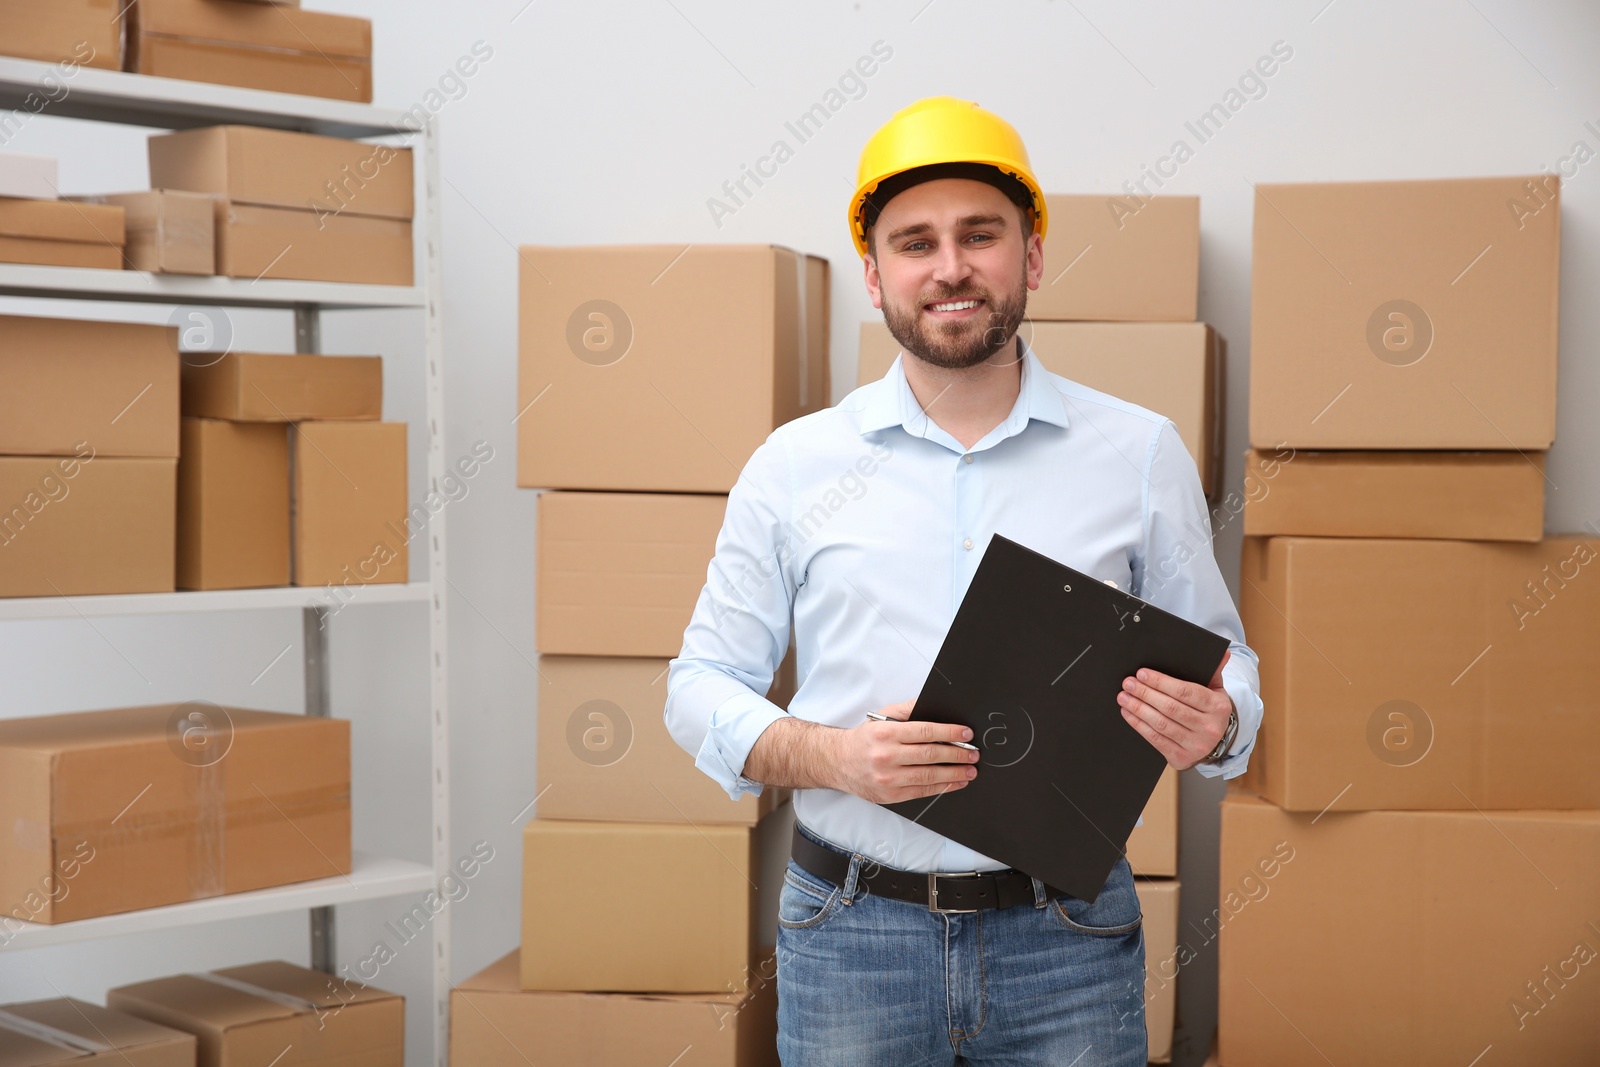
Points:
(1248, 704)
(732, 733)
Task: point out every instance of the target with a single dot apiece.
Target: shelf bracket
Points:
(307, 329)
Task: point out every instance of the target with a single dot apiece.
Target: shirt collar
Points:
(892, 403)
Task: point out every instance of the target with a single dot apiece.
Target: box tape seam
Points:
(62, 1039)
(207, 858)
(238, 985)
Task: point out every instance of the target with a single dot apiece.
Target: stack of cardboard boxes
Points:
(265, 44)
(103, 489)
(290, 205)
(38, 227)
(1116, 311)
(648, 375)
(1414, 880)
(239, 201)
(124, 809)
(321, 504)
(88, 456)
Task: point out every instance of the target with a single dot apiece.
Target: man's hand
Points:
(887, 762)
(884, 762)
(1183, 720)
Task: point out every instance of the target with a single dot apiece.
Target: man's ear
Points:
(869, 268)
(1033, 260)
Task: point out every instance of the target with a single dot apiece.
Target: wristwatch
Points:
(1220, 753)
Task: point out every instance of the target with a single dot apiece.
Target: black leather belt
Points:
(938, 892)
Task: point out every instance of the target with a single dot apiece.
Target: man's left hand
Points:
(1182, 719)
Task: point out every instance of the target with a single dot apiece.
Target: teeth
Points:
(958, 305)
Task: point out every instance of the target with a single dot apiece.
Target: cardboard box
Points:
(1361, 938)
(599, 939)
(1153, 847)
(1171, 368)
(1158, 900)
(34, 177)
(86, 525)
(1408, 314)
(233, 505)
(168, 231)
(279, 168)
(66, 1031)
(605, 753)
(1424, 674)
(270, 242)
(275, 1013)
(1115, 259)
(296, 205)
(303, 73)
(72, 385)
(113, 811)
(493, 1023)
(619, 573)
(1472, 496)
(349, 503)
(79, 33)
(256, 46)
(670, 363)
(61, 233)
(257, 387)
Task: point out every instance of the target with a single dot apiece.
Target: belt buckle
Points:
(933, 892)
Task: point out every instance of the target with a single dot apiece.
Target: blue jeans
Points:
(867, 981)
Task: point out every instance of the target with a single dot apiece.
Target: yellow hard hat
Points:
(941, 129)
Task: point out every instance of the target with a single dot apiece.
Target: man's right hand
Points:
(887, 762)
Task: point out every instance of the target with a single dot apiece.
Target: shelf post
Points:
(314, 634)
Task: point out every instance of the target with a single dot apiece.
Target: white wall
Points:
(615, 122)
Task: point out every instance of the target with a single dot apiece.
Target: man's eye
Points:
(981, 237)
(915, 246)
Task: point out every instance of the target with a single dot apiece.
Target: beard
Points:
(964, 343)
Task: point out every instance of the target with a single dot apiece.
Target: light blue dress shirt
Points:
(860, 527)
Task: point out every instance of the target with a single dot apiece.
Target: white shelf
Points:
(23, 279)
(170, 103)
(98, 607)
(370, 878)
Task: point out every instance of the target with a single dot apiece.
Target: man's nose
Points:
(950, 264)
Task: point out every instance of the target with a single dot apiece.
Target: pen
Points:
(881, 717)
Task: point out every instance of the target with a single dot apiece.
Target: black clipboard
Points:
(1032, 665)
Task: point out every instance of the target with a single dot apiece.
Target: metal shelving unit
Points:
(164, 103)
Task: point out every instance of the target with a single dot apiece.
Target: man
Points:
(860, 527)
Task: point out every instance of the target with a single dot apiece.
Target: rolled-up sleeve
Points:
(1177, 571)
(739, 632)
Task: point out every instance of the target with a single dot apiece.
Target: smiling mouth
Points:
(953, 306)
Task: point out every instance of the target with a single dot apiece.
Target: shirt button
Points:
(967, 457)
(967, 544)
